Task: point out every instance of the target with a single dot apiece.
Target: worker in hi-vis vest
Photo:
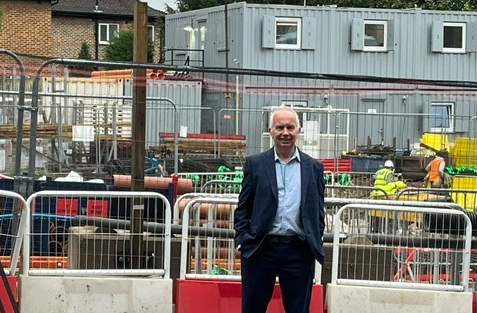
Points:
(384, 179)
(435, 177)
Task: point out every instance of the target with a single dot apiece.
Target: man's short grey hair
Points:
(284, 108)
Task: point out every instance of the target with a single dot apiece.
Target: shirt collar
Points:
(295, 155)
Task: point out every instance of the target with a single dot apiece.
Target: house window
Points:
(107, 32)
(375, 36)
(454, 37)
(150, 32)
(287, 33)
(441, 117)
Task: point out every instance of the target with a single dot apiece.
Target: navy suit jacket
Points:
(258, 203)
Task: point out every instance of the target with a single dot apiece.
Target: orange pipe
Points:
(127, 73)
(111, 73)
(184, 185)
(222, 209)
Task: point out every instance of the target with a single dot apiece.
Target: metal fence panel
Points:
(104, 232)
(207, 246)
(13, 220)
(419, 248)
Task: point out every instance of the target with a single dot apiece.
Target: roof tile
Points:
(115, 7)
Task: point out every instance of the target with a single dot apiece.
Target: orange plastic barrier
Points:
(51, 262)
(184, 185)
(208, 296)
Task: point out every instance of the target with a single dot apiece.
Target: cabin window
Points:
(287, 33)
(454, 37)
(372, 35)
(375, 36)
(441, 117)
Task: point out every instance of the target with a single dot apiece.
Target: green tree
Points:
(84, 53)
(120, 48)
(83, 70)
(161, 27)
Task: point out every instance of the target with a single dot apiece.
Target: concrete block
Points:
(46, 294)
(345, 299)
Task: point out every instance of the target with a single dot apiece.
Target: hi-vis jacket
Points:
(382, 176)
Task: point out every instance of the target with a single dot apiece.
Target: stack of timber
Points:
(43, 130)
(52, 131)
(203, 143)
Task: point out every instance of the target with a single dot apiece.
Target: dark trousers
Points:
(293, 263)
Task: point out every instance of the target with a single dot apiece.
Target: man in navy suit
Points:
(279, 220)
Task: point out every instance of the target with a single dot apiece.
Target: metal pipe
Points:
(21, 104)
(153, 227)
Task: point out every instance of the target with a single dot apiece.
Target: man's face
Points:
(284, 130)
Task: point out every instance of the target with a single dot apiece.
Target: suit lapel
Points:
(269, 166)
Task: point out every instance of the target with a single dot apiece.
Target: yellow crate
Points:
(464, 182)
(435, 141)
(468, 201)
(464, 152)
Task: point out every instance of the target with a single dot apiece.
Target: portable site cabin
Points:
(421, 62)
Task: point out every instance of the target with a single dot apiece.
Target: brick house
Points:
(37, 30)
(94, 21)
(26, 30)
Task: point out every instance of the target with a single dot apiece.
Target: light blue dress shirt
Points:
(288, 219)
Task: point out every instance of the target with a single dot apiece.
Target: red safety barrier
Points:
(474, 303)
(343, 165)
(12, 281)
(208, 296)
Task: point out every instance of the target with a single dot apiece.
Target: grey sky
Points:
(160, 4)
